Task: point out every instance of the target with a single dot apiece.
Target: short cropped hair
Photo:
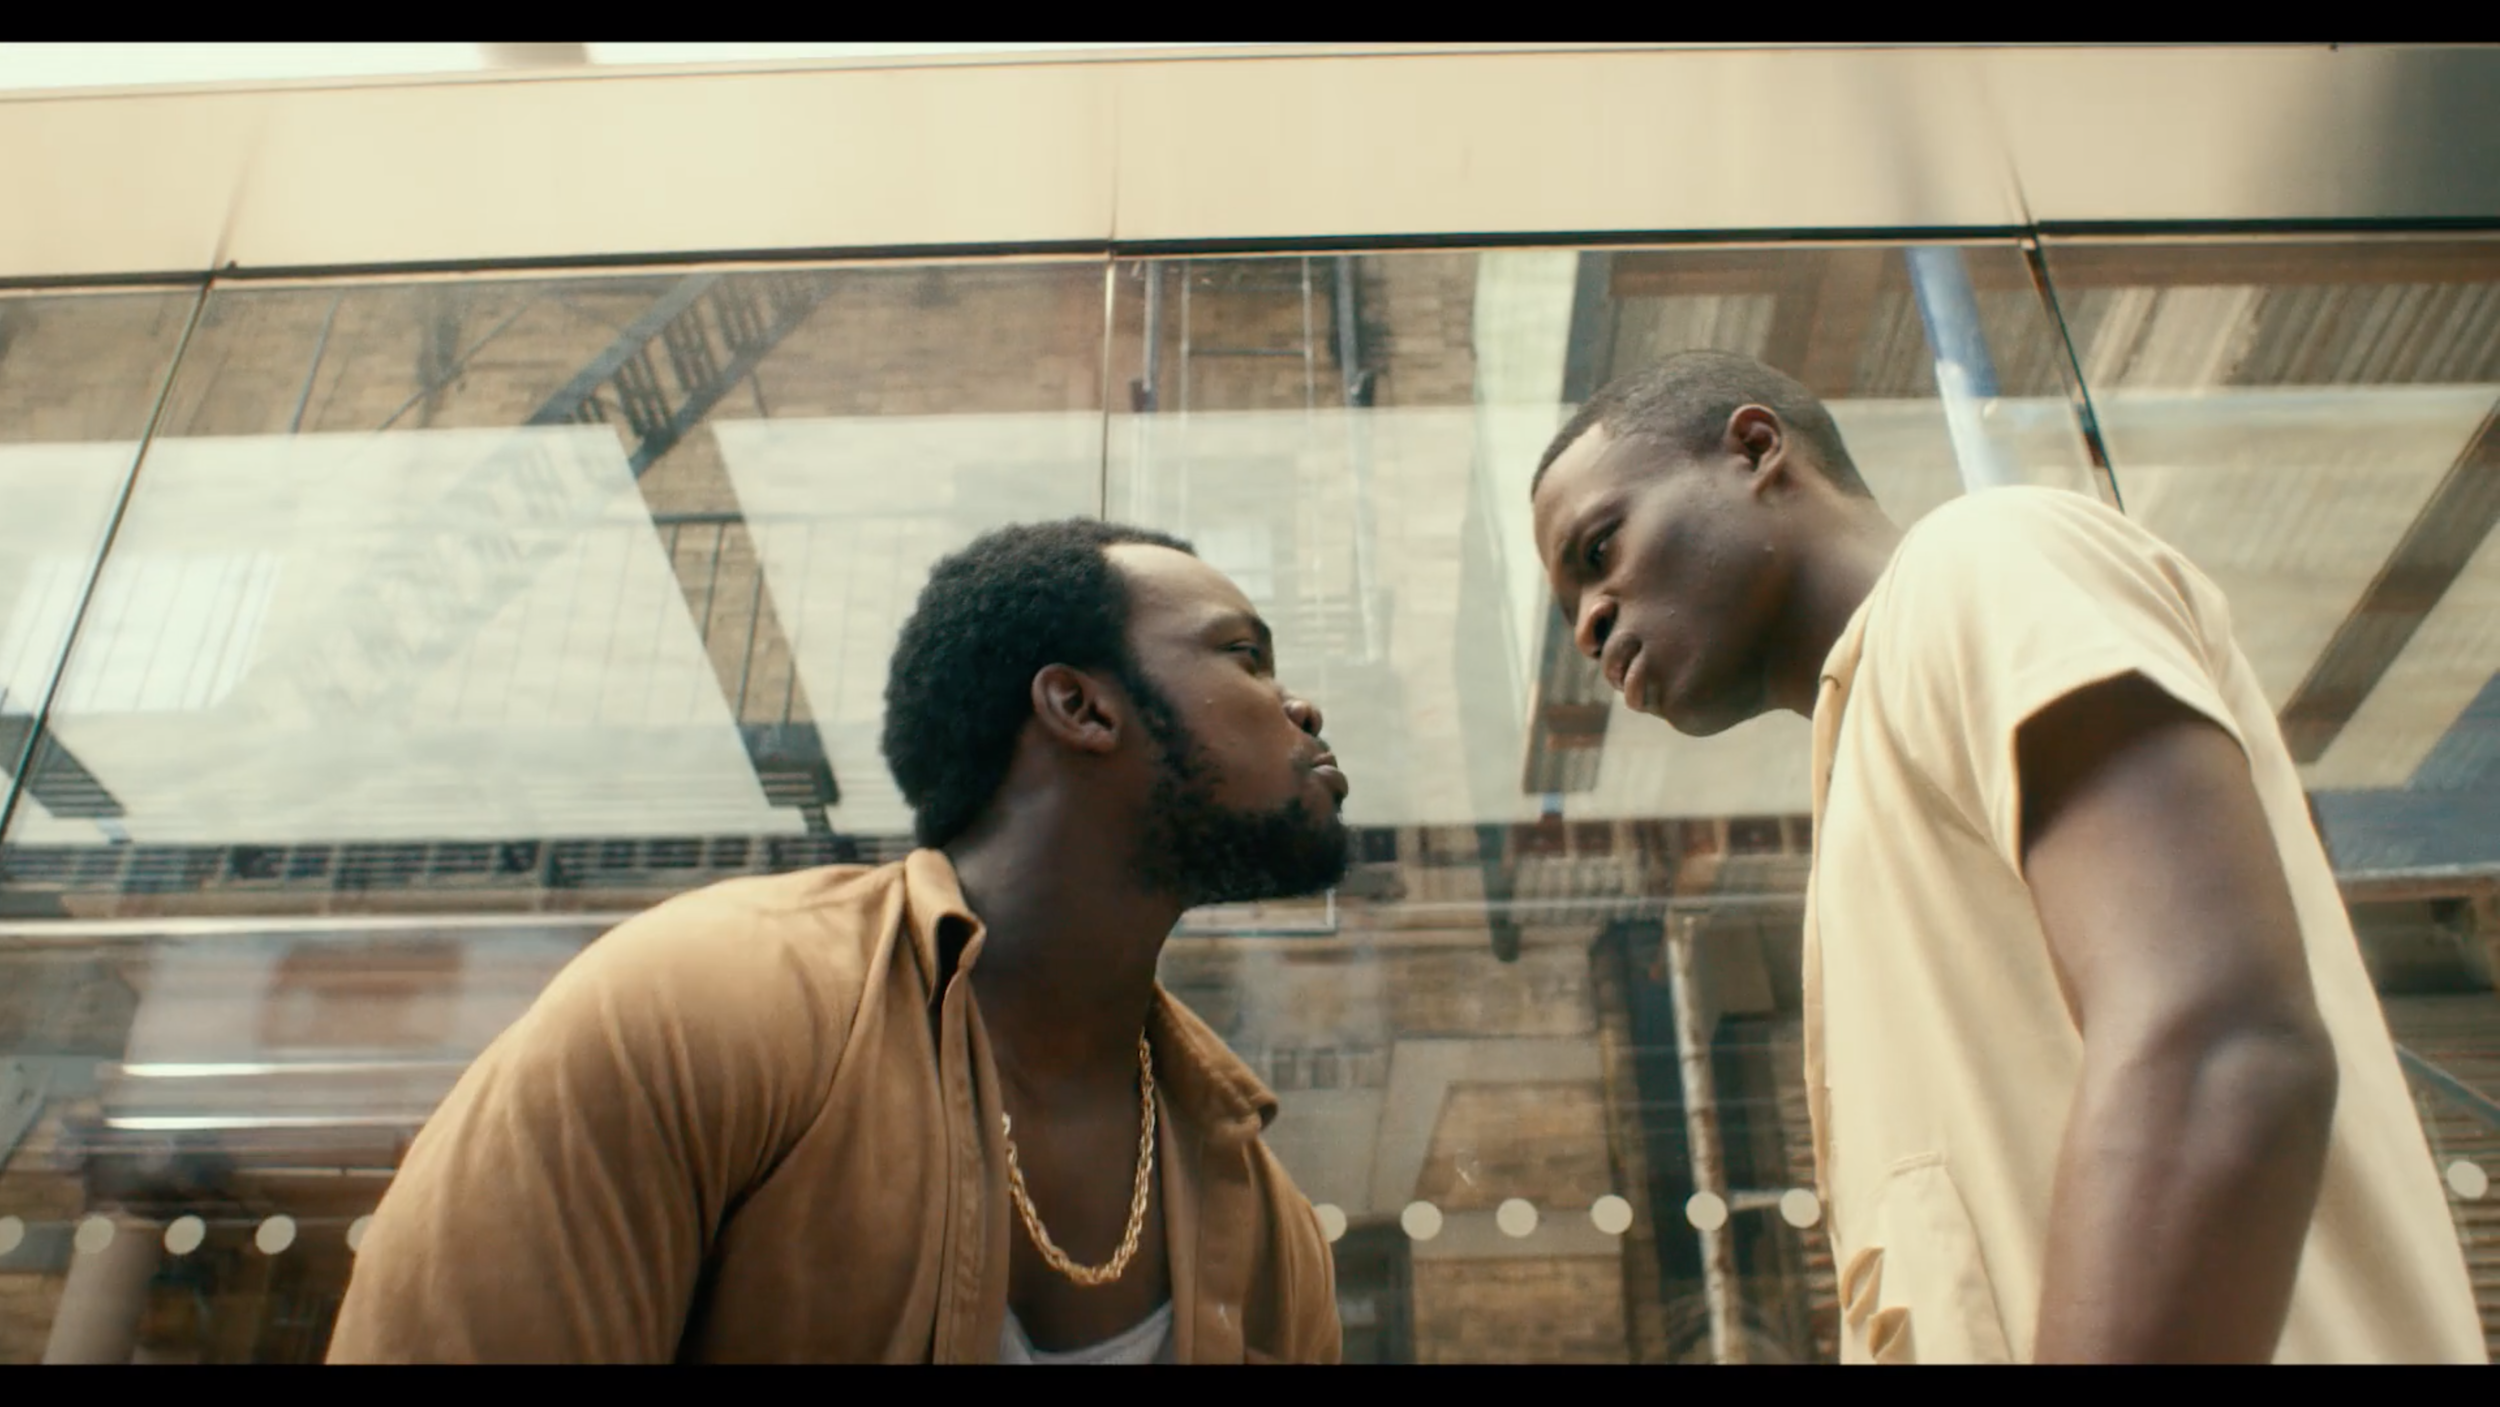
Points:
(992, 616)
(1684, 403)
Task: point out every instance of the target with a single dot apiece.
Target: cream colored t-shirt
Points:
(1941, 1059)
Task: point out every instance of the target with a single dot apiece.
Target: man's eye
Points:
(1594, 556)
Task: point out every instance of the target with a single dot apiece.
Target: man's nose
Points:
(1597, 621)
(1304, 713)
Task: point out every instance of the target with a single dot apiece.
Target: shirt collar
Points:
(1840, 666)
(1210, 1085)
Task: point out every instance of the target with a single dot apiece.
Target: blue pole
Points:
(1966, 377)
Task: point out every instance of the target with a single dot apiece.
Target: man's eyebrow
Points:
(1567, 547)
(1575, 535)
(1239, 620)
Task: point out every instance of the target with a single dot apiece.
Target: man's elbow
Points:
(2278, 1080)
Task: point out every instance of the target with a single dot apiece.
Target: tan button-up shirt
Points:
(758, 1124)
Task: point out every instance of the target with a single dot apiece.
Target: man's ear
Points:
(1078, 709)
(1755, 434)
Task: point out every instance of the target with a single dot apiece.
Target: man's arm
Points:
(2198, 1136)
(557, 1207)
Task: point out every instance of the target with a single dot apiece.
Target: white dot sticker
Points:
(1422, 1220)
(185, 1235)
(1516, 1217)
(275, 1235)
(1611, 1214)
(12, 1234)
(2468, 1180)
(1707, 1211)
(94, 1234)
(356, 1229)
(1800, 1208)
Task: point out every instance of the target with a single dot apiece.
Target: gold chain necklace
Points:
(1052, 1256)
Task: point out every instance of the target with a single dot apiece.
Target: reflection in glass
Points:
(443, 598)
(80, 375)
(527, 588)
(451, 619)
(1351, 438)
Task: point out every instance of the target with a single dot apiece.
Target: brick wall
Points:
(88, 368)
(1465, 992)
(26, 1305)
(956, 340)
(1519, 1311)
(1545, 1142)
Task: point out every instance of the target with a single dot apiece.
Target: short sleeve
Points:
(1999, 605)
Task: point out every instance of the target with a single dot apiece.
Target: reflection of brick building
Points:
(1490, 1017)
(1413, 1064)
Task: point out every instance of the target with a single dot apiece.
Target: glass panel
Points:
(80, 373)
(537, 600)
(79, 376)
(2311, 422)
(1476, 1037)
(460, 597)
(568, 592)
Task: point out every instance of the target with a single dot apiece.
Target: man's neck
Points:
(1066, 974)
(1831, 583)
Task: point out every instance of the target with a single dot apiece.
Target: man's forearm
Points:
(2184, 1193)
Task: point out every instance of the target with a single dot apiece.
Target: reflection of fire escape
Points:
(1304, 311)
(658, 379)
(714, 331)
(53, 777)
(1567, 709)
(1235, 317)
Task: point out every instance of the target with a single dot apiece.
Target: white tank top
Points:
(1149, 1342)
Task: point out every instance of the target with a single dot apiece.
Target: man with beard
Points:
(938, 1110)
(2095, 1067)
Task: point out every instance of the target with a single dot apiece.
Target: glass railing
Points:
(373, 645)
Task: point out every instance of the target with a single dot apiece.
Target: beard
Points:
(1203, 852)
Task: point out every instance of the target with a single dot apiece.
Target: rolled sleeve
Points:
(2015, 599)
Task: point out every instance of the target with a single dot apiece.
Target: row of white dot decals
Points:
(1707, 1211)
(185, 1234)
(1422, 1221)
(1610, 1214)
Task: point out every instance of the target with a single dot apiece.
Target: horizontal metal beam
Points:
(1221, 147)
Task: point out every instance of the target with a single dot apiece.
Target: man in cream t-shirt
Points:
(2096, 1070)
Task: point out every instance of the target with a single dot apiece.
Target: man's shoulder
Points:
(2002, 521)
(740, 943)
(1998, 549)
(798, 898)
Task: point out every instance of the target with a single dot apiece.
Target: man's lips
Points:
(1330, 775)
(1618, 660)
